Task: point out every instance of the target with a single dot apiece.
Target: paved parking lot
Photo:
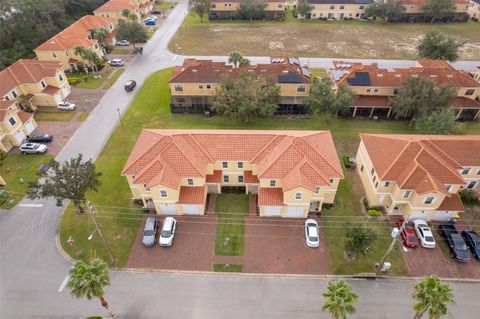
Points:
(61, 131)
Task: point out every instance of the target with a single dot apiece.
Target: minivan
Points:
(168, 231)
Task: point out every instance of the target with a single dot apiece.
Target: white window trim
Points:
(243, 179)
(12, 125)
(188, 181)
(474, 184)
(463, 169)
(166, 193)
(425, 200)
(223, 166)
(228, 179)
(409, 194)
(240, 164)
(301, 195)
(274, 183)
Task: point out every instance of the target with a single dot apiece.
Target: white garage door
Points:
(20, 136)
(65, 92)
(443, 216)
(167, 209)
(191, 209)
(58, 98)
(295, 212)
(29, 127)
(417, 215)
(272, 211)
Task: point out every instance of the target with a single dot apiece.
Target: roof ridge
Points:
(201, 147)
(316, 170)
(409, 174)
(146, 168)
(278, 157)
(441, 161)
(146, 150)
(186, 156)
(410, 142)
(266, 146)
(306, 141)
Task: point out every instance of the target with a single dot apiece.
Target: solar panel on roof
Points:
(305, 72)
(361, 79)
(290, 77)
(294, 61)
(338, 74)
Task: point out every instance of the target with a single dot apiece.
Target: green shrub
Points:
(365, 203)
(346, 161)
(469, 196)
(374, 213)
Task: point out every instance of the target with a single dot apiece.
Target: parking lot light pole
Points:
(119, 116)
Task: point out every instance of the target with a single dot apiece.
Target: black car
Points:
(130, 85)
(472, 239)
(455, 242)
(43, 138)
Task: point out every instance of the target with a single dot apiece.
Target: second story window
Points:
(209, 86)
(466, 170)
(361, 168)
(60, 77)
(225, 178)
(386, 184)
(240, 179)
(42, 83)
(478, 172)
(372, 171)
(54, 55)
(163, 193)
(178, 88)
(317, 189)
(342, 7)
(225, 164)
(469, 92)
(471, 184)
(447, 187)
(12, 121)
(298, 196)
(6, 98)
(332, 7)
(240, 164)
(14, 94)
(301, 88)
(406, 194)
(428, 200)
(190, 181)
(272, 183)
(200, 87)
(361, 7)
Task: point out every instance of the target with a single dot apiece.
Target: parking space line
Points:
(64, 283)
(31, 205)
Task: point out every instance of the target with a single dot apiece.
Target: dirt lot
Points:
(354, 39)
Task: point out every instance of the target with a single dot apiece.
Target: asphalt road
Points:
(32, 271)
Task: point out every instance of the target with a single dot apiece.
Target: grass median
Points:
(231, 210)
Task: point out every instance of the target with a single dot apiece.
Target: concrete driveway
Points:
(61, 131)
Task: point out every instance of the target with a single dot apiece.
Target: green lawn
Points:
(230, 210)
(225, 268)
(111, 81)
(164, 5)
(83, 116)
(318, 72)
(17, 171)
(120, 51)
(60, 116)
(95, 83)
(150, 109)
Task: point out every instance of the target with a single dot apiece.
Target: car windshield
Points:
(460, 246)
(166, 233)
(149, 232)
(412, 239)
(429, 238)
(36, 146)
(313, 239)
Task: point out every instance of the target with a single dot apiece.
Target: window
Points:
(14, 94)
(240, 178)
(200, 86)
(428, 200)
(209, 86)
(240, 164)
(471, 184)
(6, 98)
(332, 7)
(280, 5)
(225, 178)
(54, 55)
(372, 171)
(178, 88)
(300, 88)
(298, 196)
(96, 46)
(478, 172)
(395, 91)
(361, 8)
(60, 77)
(180, 100)
(447, 187)
(357, 15)
(374, 179)
(12, 121)
(368, 90)
(361, 168)
(342, 7)
(163, 193)
(317, 189)
(225, 164)
(386, 184)
(331, 180)
(272, 183)
(376, 185)
(375, 90)
(466, 170)
(469, 91)
(42, 83)
(190, 181)
(214, 5)
(406, 194)
(110, 26)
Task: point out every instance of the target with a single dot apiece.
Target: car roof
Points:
(313, 231)
(150, 223)
(167, 223)
(409, 231)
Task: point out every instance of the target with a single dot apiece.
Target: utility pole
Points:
(91, 210)
(392, 244)
(119, 117)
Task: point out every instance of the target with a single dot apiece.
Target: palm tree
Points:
(235, 58)
(125, 13)
(339, 300)
(93, 59)
(432, 296)
(101, 35)
(88, 280)
(80, 51)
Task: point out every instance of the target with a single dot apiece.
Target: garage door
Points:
(167, 209)
(443, 216)
(58, 98)
(295, 212)
(417, 215)
(272, 210)
(29, 127)
(191, 209)
(65, 92)
(20, 137)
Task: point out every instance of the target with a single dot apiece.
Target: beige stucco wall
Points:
(233, 6)
(417, 8)
(323, 10)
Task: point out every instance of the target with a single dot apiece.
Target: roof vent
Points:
(449, 75)
(264, 70)
(250, 70)
(194, 70)
(398, 75)
(379, 75)
(433, 76)
(284, 71)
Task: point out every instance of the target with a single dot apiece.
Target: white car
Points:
(33, 148)
(123, 43)
(311, 233)
(151, 18)
(424, 233)
(115, 62)
(66, 106)
(168, 231)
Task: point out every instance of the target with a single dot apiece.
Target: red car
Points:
(409, 239)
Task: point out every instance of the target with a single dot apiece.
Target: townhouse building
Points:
(61, 47)
(375, 86)
(114, 8)
(414, 10)
(33, 83)
(292, 172)
(227, 9)
(474, 10)
(418, 176)
(15, 125)
(337, 9)
(193, 83)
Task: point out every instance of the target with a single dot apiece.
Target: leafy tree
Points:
(418, 96)
(93, 59)
(237, 59)
(131, 31)
(251, 9)
(392, 10)
(439, 9)
(3, 157)
(201, 8)
(78, 8)
(359, 238)
(433, 297)
(324, 100)
(101, 35)
(340, 299)
(438, 46)
(81, 52)
(132, 16)
(67, 181)
(88, 281)
(303, 8)
(437, 122)
(125, 13)
(246, 97)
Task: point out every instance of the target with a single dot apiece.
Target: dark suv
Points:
(130, 85)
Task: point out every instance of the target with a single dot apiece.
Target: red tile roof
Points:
(207, 71)
(115, 6)
(24, 116)
(371, 100)
(452, 203)
(215, 178)
(4, 105)
(270, 197)
(423, 2)
(249, 178)
(26, 72)
(165, 156)
(439, 71)
(424, 163)
(76, 34)
(192, 195)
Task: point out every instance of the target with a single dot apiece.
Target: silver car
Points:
(150, 232)
(66, 106)
(33, 148)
